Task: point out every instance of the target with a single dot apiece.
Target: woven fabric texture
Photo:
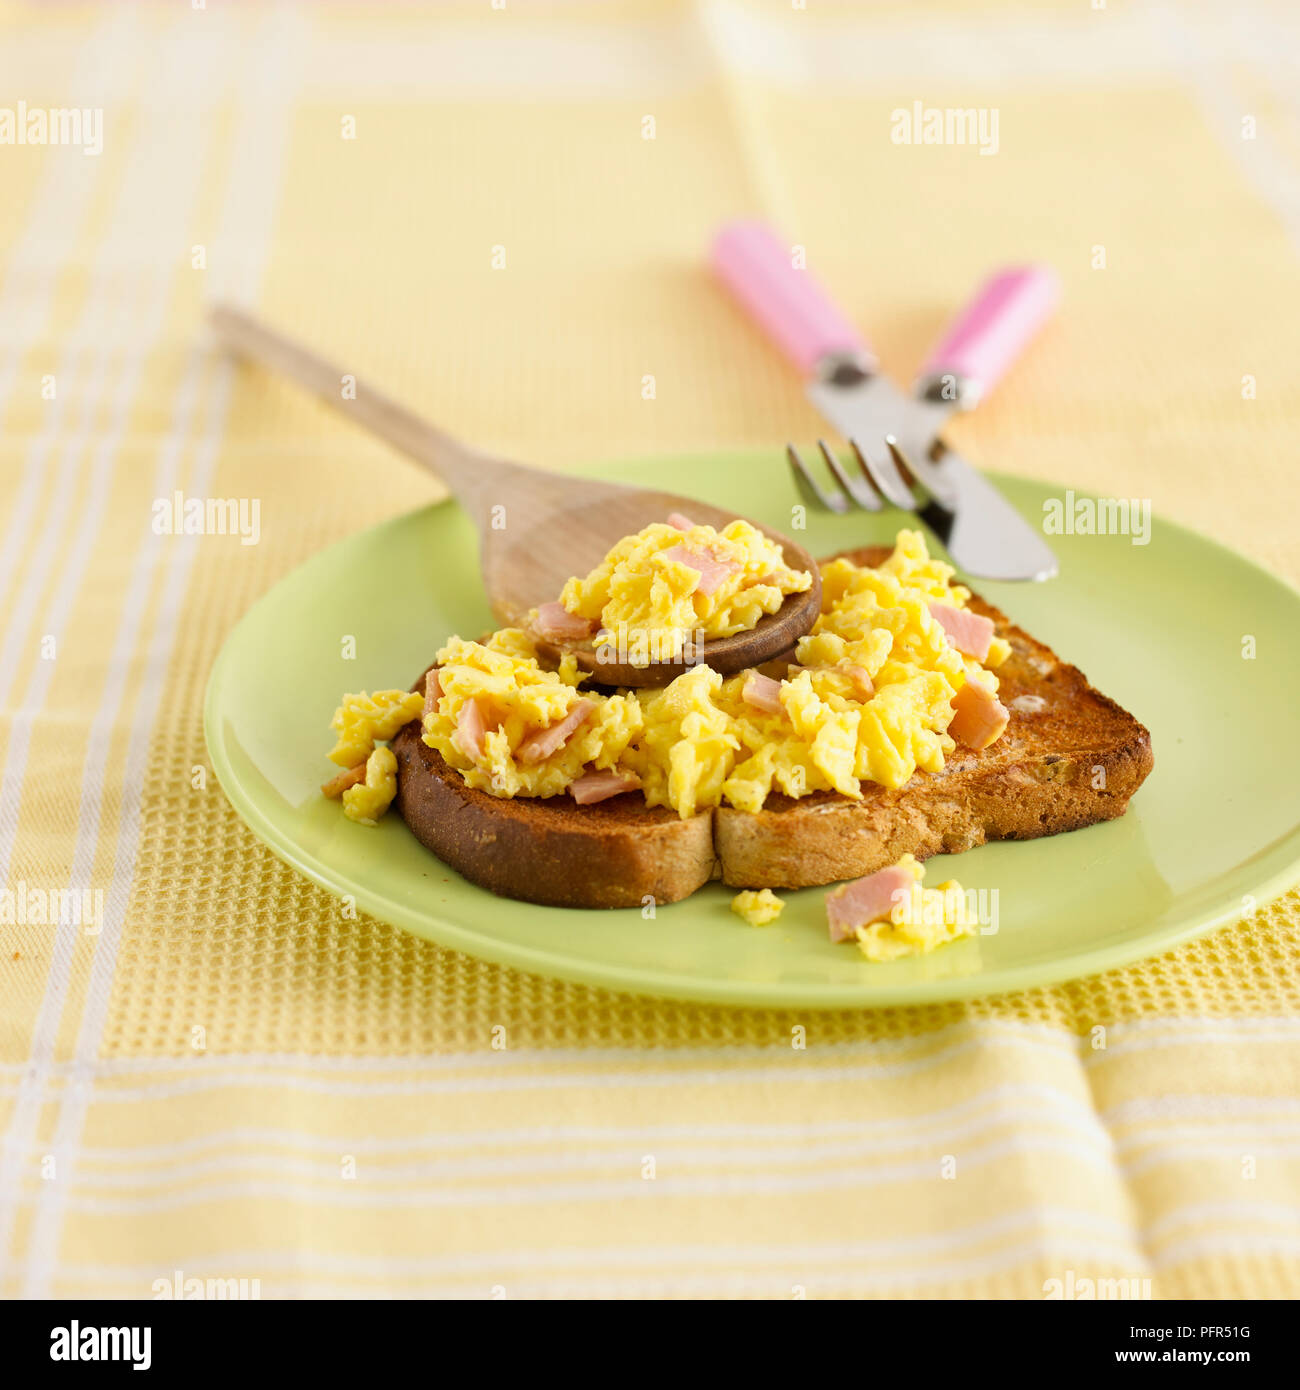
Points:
(233, 1081)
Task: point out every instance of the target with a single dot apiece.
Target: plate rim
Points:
(643, 982)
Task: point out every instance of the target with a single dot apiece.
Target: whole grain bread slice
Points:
(617, 853)
(1070, 757)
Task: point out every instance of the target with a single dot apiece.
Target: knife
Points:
(983, 533)
(979, 527)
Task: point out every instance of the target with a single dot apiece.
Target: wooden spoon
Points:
(536, 529)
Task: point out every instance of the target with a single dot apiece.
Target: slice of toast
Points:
(617, 853)
(1070, 757)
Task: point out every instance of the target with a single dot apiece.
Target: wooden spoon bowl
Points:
(536, 564)
(536, 529)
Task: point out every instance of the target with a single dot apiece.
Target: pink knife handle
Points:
(792, 308)
(993, 328)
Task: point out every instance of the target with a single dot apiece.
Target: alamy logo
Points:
(40, 125)
(649, 646)
(934, 907)
(77, 1343)
(224, 1290)
(179, 515)
(24, 905)
(945, 125)
(1098, 516)
(1073, 1288)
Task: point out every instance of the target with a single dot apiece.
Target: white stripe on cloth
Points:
(34, 261)
(348, 1194)
(1057, 1233)
(1159, 1148)
(871, 53)
(122, 308)
(995, 1105)
(925, 1244)
(671, 1154)
(265, 105)
(309, 1183)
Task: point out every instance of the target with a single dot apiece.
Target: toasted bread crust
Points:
(1070, 757)
(618, 853)
(1071, 763)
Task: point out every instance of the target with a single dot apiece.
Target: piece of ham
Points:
(592, 787)
(336, 786)
(762, 692)
(471, 726)
(863, 686)
(967, 631)
(979, 717)
(555, 623)
(432, 691)
(545, 741)
(865, 900)
(679, 522)
(713, 572)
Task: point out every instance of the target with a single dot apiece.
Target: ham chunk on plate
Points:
(865, 900)
(980, 716)
(545, 741)
(762, 692)
(680, 522)
(336, 786)
(713, 572)
(592, 787)
(555, 623)
(968, 632)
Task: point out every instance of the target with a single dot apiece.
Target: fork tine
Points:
(809, 488)
(924, 472)
(862, 493)
(883, 472)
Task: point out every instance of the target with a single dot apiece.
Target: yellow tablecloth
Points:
(226, 1080)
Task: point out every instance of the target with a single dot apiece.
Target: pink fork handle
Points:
(788, 304)
(995, 326)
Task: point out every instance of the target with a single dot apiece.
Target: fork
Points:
(866, 491)
(894, 437)
(963, 368)
(843, 377)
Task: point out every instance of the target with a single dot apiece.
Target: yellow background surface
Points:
(340, 1123)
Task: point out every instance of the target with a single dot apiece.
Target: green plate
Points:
(1160, 627)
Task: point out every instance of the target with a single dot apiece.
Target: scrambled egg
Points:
(758, 909)
(651, 602)
(930, 917)
(704, 744)
(368, 800)
(360, 722)
(870, 698)
(362, 719)
(520, 700)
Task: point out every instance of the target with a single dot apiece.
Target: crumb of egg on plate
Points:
(759, 908)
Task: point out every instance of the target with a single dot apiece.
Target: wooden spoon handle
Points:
(470, 475)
